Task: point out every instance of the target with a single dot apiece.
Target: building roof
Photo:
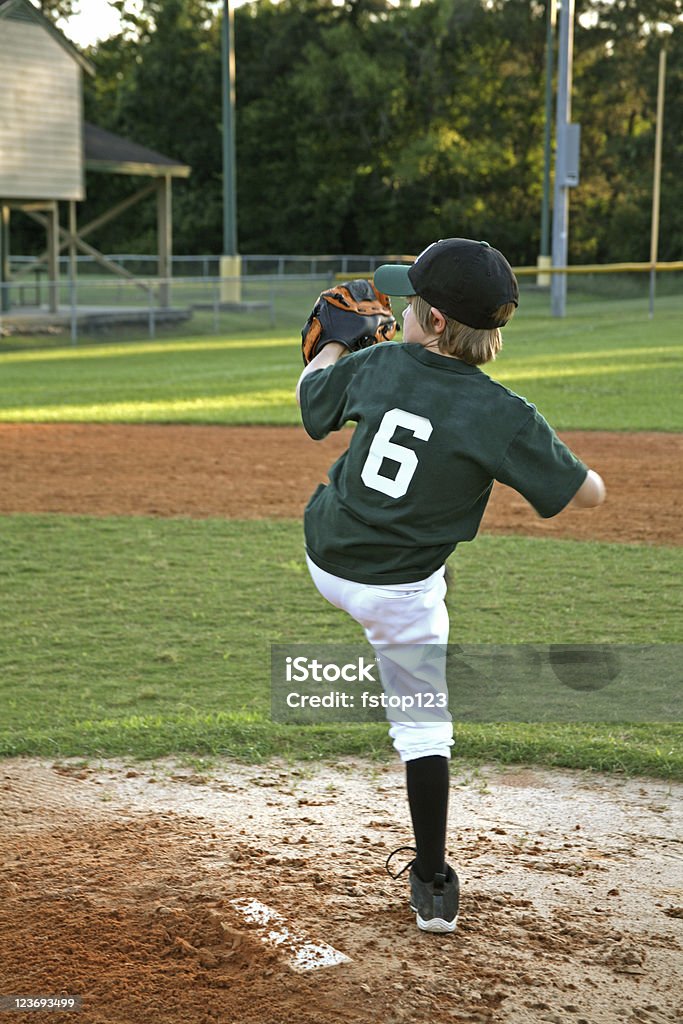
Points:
(25, 11)
(105, 151)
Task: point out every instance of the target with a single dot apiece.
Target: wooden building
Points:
(46, 148)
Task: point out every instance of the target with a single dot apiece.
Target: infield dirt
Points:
(257, 472)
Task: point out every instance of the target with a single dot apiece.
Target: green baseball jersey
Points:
(433, 434)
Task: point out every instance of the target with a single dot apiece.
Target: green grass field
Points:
(594, 370)
(145, 637)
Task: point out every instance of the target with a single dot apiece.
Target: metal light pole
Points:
(566, 154)
(654, 236)
(230, 263)
(544, 258)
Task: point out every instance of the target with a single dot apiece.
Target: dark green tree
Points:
(372, 127)
(161, 88)
(615, 88)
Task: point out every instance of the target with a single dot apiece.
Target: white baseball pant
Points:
(402, 614)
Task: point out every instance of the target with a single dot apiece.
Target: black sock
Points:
(427, 782)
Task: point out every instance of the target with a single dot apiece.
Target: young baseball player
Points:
(433, 433)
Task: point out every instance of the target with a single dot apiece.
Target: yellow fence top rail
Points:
(600, 268)
(579, 268)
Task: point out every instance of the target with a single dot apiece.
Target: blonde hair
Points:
(471, 344)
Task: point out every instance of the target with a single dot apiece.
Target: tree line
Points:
(374, 127)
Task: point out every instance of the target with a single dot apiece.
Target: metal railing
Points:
(214, 305)
(92, 303)
(209, 266)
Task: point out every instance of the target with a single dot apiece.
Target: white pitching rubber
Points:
(302, 955)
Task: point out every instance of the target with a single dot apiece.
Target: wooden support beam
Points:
(97, 256)
(53, 230)
(73, 271)
(121, 207)
(164, 237)
(34, 204)
(88, 228)
(4, 257)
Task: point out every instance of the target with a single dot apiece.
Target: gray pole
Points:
(547, 135)
(229, 175)
(561, 191)
(654, 235)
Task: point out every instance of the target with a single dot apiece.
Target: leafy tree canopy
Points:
(370, 126)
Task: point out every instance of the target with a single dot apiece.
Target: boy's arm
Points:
(591, 492)
(546, 472)
(326, 357)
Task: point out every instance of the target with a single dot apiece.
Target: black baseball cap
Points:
(464, 279)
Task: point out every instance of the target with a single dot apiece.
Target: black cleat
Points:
(435, 903)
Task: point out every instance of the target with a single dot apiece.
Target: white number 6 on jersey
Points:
(383, 447)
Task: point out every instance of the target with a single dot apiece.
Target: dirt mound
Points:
(118, 884)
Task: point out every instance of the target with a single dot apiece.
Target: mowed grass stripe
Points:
(232, 408)
(604, 373)
(148, 636)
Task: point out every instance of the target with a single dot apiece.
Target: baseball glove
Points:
(353, 313)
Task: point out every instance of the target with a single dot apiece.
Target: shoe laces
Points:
(406, 867)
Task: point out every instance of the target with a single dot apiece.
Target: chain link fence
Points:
(94, 307)
(272, 293)
(209, 266)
